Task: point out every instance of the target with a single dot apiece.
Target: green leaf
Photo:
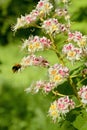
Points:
(72, 115)
(84, 127)
(65, 88)
(67, 125)
(81, 120)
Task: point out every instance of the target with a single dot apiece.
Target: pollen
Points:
(53, 72)
(31, 46)
(47, 6)
(57, 78)
(54, 27)
(54, 113)
(37, 45)
(53, 107)
(71, 53)
(82, 42)
(41, 12)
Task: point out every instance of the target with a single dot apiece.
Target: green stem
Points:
(81, 80)
(53, 3)
(73, 76)
(60, 58)
(73, 87)
(56, 50)
(62, 62)
(37, 26)
(80, 105)
(58, 94)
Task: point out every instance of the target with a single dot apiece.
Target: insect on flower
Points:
(16, 68)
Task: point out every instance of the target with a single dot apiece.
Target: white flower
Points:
(26, 20)
(72, 53)
(60, 107)
(58, 73)
(45, 86)
(83, 94)
(51, 25)
(32, 60)
(44, 7)
(35, 43)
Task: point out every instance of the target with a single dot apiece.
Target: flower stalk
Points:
(73, 87)
(54, 47)
(54, 21)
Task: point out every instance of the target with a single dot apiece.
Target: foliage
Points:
(20, 111)
(9, 10)
(56, 22)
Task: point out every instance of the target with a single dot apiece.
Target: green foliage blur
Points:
(18, 110)
(9, 11)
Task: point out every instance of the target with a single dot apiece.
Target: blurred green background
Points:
(18, 110)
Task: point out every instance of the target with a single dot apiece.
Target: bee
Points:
(16, 67)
